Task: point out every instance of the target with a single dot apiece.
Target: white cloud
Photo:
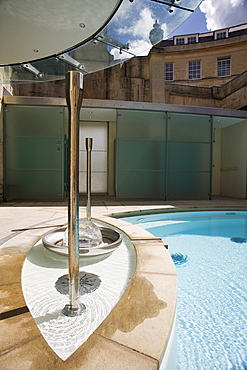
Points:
(140, 27)
(137, 47)
(224, 13)
(138, 34)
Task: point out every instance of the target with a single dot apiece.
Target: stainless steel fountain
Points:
(82, 237)
(74, 93)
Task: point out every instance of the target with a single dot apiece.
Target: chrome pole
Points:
(74, 93)
(89, 146)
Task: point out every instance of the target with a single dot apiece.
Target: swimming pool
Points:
(209, 251)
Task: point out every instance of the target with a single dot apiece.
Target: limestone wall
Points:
(232, 95)
(143, 78)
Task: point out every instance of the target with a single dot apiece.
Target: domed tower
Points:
(156, 34)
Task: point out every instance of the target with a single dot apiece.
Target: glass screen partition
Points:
(189, 156)
(163, 156)
(34, 153)
(140, 154)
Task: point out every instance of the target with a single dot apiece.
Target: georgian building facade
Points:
(202, 69)
(207, 69)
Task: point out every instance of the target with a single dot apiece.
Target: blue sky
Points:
(214, 14)
(195, 23)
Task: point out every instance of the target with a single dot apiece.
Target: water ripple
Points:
(179, 259)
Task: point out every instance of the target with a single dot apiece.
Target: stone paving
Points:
(21, 344)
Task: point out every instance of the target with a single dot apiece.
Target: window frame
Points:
(224, 70)
(177, 39)
(169, 72)
(193, 71)
(180, 39)
(220, 32)
(189, 40)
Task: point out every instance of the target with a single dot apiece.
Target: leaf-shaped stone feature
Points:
(43, 268)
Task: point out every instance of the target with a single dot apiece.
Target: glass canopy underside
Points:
(130, 29)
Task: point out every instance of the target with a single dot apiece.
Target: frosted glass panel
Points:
(34, 153)
(189, 127)
(141, 184)
(188, 185)
(141, 169)
(141, 155)
(34, 121)
(23, 152)
(141, 125)
(189, 156)
(151, 165)
(40, 184)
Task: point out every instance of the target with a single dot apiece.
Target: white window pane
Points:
(98, 131)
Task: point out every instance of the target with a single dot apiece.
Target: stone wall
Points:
(127, 81)
(232, 95)
(142, 79)
(41, 89)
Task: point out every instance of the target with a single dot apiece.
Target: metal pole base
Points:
(72, 311)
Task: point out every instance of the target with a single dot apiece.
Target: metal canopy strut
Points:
(172, 4)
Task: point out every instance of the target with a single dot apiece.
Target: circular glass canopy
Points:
(37, 29)
(45, 39)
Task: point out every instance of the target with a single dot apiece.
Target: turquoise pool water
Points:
(209, 250)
